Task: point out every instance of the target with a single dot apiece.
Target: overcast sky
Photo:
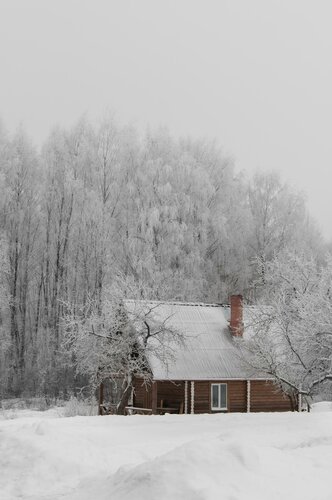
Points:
(254, 74)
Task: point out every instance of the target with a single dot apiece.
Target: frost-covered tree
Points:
(278, 221)
(19, 223)
(5, 338)
(169, 216)
(292, 338)
(112, 341)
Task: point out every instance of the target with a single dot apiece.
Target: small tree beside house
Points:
(111, 343)
(291, 337)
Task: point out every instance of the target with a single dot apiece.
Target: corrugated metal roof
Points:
(208, 352)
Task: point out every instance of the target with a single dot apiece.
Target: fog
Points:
(256, 76)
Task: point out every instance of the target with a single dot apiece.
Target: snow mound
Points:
(194, 471)
(217, 468)
(198, 470)
(322, 406)
(187, 457)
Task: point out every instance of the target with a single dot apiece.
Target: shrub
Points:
(82, 407)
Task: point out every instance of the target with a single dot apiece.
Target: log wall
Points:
(201, 397)
(237, 395)
(142, 394)
(171, 393)
(264, 395)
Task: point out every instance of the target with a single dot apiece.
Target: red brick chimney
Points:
(236, 321)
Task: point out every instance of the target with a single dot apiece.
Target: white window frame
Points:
(218, 408)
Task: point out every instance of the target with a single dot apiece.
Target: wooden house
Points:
(207, 373)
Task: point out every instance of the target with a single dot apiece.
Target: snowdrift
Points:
(196, 457)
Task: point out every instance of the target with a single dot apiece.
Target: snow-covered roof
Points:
(208, 352)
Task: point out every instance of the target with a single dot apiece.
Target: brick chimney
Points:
(236, 321)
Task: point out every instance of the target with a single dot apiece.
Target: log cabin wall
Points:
(171, 393)
(202, 396)
(237, 395)
(265, 396)
(142, 394)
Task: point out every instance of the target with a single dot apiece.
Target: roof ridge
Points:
(179, 303)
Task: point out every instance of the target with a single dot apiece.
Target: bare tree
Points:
(292, 331)
(114, 342)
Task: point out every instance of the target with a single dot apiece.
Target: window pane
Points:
(223, 396)
(215, 396)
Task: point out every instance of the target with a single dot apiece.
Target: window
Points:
(218, 396)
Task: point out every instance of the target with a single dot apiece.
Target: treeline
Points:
(99, 205)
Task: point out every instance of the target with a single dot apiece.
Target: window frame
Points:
(219, 408)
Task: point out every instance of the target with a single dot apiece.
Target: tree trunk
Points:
(124, 399)
(101, 399)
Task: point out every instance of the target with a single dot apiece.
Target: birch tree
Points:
(21, 226)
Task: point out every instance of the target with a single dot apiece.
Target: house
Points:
(206, 374)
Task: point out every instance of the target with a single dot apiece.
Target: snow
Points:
(322, 406)
(194, 457)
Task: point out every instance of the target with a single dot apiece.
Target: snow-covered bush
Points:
(82, 407)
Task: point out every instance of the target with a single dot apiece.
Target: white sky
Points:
(256, 75)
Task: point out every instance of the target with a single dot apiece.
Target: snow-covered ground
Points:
(187, 457)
